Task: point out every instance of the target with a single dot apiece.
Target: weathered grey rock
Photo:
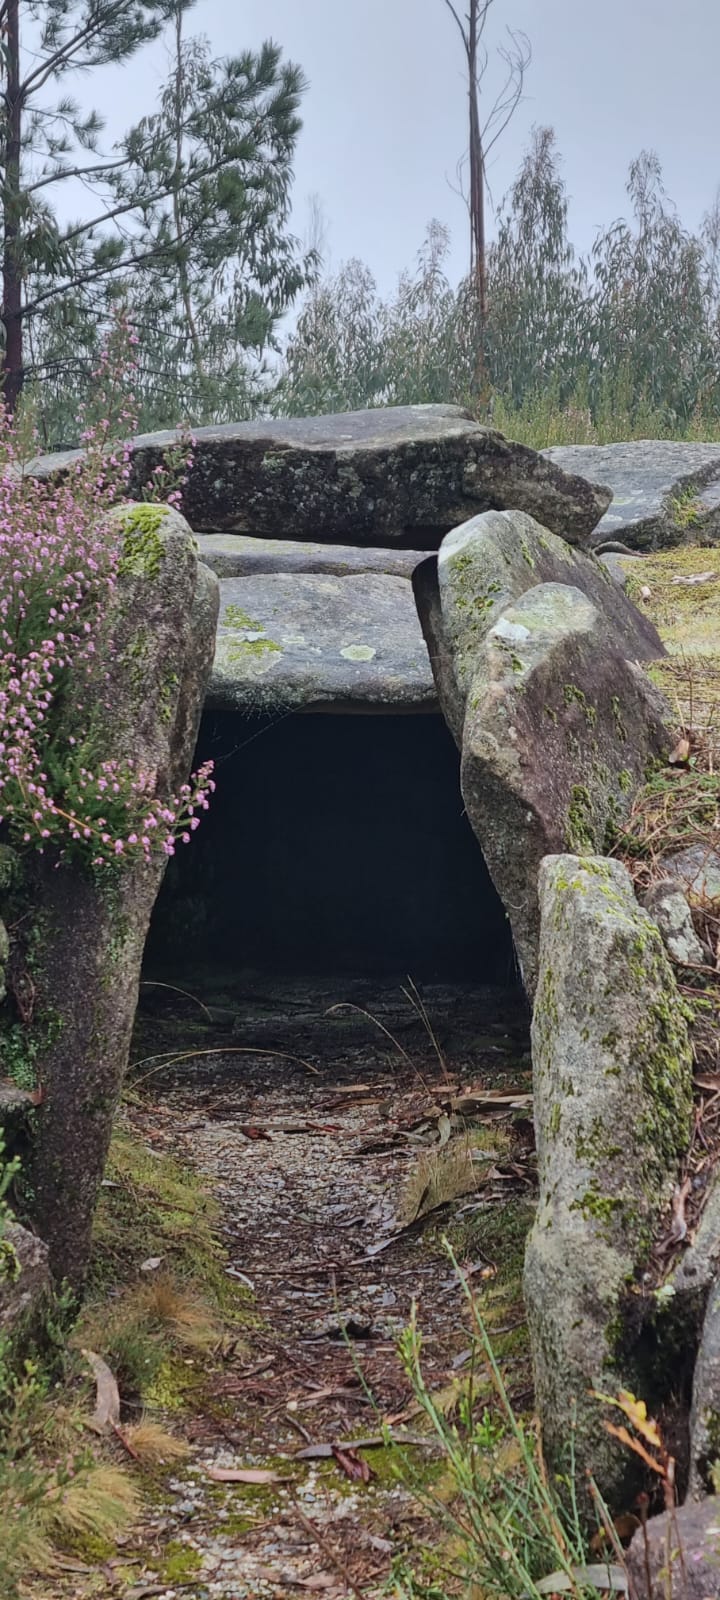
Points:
(619, 567)
(557, 734)
(143, 705)
(236, 555)
(24, 1277)
(364, 477)
(612, 1077)
(485, 565)
(705, 1413)
(15, 1104)
(668, 907)
(697, 869)
(316, 640)
(692, 1533)
(664, 493)
(699, 1268)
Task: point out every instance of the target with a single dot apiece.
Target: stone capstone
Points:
(692, 1534)
(24, 1276)
(364, 477)
(612, 1080)
(318, 640)
(536, 674)
(236, 555)
(668, 907)
(663, 493)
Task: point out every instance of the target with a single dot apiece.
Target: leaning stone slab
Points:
(663, 493)
(557, 736)
(487, 564)
(365, 477)
(236, 555)
(612, 1077)
(318, 641)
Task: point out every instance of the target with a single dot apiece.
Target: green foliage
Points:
(506, 1525)
(185, 222)
(623, 343)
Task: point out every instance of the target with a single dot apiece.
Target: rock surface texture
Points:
(608, 1034)
(24, 1277)
(320, 641)
(236, 555)
(669, 908)
(533, 649)
(405, 473)
(663, 493)
(144, 705)
(692, 1529)
(705, 1414)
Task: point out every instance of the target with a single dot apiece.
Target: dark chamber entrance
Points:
(334, 844)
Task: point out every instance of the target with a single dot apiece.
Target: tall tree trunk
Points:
(12, 279)
(478, 256)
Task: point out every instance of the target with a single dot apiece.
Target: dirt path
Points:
(317, 1167)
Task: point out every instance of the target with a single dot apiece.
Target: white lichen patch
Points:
(514, 631)
(358, 652)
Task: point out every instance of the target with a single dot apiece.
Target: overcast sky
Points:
(384, 115)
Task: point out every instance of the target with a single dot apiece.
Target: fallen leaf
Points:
(245, 1475)
(471, 1099)
(678, 1226)
(323, 1452)
(107, 1396)
(252, 1132)
(152, 1263)
(319, 1580)
(605, 1580)
(353, 1465)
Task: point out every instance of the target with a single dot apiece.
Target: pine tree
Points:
(187, 220)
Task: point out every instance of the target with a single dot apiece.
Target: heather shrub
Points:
(60, 561)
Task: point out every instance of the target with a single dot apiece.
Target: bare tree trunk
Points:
(478, 258)
(12, 365)
(482, 136)
(177, 208)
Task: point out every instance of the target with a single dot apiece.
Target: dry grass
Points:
(176, 1311)
(153, 1445)
(100, 1503)
(457, 1168)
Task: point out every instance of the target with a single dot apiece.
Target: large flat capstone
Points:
(318, 640)
(237, 555)
(663, 493)
(393, 473)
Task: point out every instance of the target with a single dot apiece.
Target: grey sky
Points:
(384, 116)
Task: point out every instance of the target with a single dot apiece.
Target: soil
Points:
(321, 1158)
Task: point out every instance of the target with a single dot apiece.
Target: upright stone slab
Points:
(484, 566)
(612, 1079)
(374, 477)
(143, 705)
